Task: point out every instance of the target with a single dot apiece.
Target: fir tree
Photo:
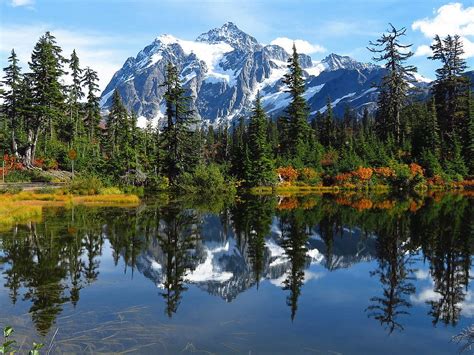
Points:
(395, 84)
(92, 108)
(75, 93)
(297, 110)
(46, 67)
(115, 121)
(451, 90)
(179, 142)
(11, 99)
(470, 134)
(261, 169)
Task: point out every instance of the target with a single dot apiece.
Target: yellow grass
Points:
(17, 213)
(27, 206)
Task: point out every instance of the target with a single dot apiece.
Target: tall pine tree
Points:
(261, 169)
(11, 99)
(298, 129)
(395, 84)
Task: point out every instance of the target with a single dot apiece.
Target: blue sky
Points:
(106, 32)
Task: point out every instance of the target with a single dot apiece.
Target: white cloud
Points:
(450, 19)
(94, 50)
(18, 3)
(423, 51)
(426, 295)
(302, 46)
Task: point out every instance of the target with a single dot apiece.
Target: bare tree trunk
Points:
(14, 144)
(30, 151)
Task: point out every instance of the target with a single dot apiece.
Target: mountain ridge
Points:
(224, 68)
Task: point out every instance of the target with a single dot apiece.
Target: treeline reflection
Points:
(229, 246)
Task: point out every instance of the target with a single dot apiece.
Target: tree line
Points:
(43, 119)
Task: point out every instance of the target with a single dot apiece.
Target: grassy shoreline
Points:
(28, 205)
(309, 189)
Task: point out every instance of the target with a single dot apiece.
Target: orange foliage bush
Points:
(363, 173)
(39, 163)
(436, 180)
(288, 203)
(343, 177)
(385, 205)
(363, 204)
(344, 201)
(384, 172)
(11, 164)
(415, 169)
(287, 173)
(414, 206)
(466, 183)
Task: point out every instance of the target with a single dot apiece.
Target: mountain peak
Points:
(229, 33)
(335, 61)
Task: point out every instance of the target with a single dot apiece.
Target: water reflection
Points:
(233, 246)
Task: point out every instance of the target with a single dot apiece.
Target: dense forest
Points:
(407, 142)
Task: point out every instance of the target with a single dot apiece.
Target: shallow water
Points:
(314, 274)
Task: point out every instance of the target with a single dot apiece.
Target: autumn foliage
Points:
(363, 174)
(11, 164)
(288, 173)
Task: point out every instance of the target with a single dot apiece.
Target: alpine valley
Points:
(224, 69)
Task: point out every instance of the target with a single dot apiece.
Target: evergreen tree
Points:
(238, 149)
(470, 136)
(297, 111)
(92, 109)
(179, 142)
(451, 90)
(395, 84)
(11, 99)
(115, 121)
(261, 169)
(328, 128)
(46, 67)
(75, 93)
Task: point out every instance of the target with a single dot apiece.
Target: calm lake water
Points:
(314, 274)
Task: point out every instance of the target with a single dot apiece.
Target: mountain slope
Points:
(223, 70)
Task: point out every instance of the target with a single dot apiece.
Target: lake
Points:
(322, 274)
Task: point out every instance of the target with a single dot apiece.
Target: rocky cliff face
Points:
(224, 69)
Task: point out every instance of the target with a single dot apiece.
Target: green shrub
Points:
(430, 163)
(309, 176)
(133, 190)
(205, 180)
(38, 176)
(85, 186)
(110, 191)
(46, 190)
(157, 183)
(11, 190)
(18, 176)
(34, 175)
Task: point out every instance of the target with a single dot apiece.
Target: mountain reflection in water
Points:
(227, 248)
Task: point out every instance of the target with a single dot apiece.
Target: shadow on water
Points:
(227, 247)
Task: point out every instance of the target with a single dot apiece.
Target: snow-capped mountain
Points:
(224, 69)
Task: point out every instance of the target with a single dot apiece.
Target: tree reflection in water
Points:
(48, 264)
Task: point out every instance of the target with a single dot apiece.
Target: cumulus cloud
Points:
(450, 19)
(423, 51)
(94, 50)
(302, 46)
(18, 3)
